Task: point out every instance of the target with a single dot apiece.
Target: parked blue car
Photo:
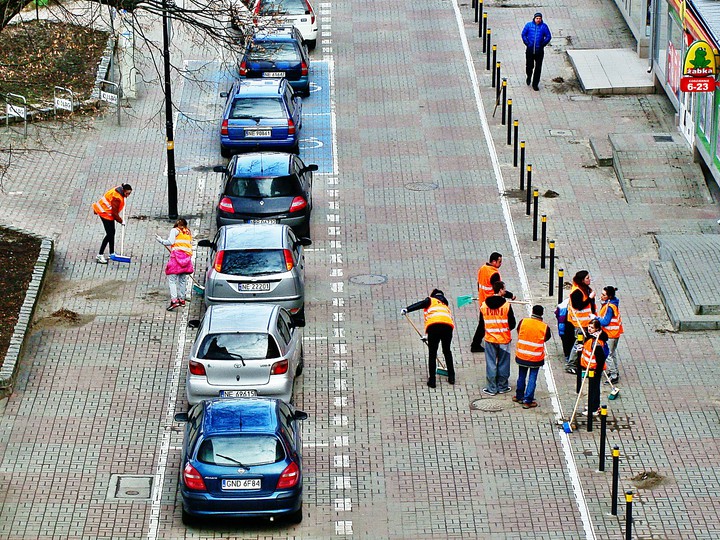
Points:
(261, 114)
(241, 458)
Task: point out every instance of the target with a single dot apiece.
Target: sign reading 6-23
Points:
(697, 84)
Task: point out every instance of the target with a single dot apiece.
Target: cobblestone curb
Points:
(17, 341)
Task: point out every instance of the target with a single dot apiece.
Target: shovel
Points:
(121, 258)
(441, 369)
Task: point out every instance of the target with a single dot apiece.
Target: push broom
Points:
(121, 258)
(440, 369)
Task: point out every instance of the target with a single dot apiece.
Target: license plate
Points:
(253, 286)
(238, 393)
(263, 221)
(245, 483)
(253, 133)
(274, 74)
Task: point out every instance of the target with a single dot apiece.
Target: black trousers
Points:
(478, 336)
(594, 388)
(440, 333)
(109, 225)
(533, 64)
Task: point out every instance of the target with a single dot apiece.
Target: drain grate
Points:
(130, 487)
(663, 138)
(368, 279)
(421, 186)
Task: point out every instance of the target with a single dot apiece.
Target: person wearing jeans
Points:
(611, 323)
(530, 356)
(497, 320)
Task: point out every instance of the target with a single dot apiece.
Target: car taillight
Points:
(226, 205)
(303, 69)
(193, 479)
(309, 10)
(196, 368)
(243, 68)
(289, 477)
(224, 128)
(219, 261)
(289, 263)
(279, 368)
(291, 127)
(298, 203)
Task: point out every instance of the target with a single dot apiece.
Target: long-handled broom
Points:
(615, 391)
(197, 288)
(441, 369)
(465, 299)
(121, 258)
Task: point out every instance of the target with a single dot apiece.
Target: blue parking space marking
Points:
(316, 135)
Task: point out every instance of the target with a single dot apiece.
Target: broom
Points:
(121, 258)
(615, 391)
(465, 299)
(441, 369)
(197, 288)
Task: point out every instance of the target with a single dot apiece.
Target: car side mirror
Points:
(304, 241)
(311, 168)
(299, 415)
(206, 243)
(220, 168)
(181, 417)
(194, 323)
(224, 94)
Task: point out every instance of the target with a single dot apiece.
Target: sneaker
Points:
(530, 405)
(489, 392)
(431, 383)
(615, 379)
(182, 302)
(505, 390)
(174, 304)
(477, 348)
(571, 370)
(100, 259)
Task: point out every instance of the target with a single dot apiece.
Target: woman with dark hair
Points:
(581, 309)
(611, 321)
(179, 267)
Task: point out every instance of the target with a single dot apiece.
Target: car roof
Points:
(240, 415)
(259, 87)
(247, 236)
(224, 318)
(278, 33)
(261, 164)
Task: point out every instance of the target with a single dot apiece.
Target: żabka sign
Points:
(699, 60)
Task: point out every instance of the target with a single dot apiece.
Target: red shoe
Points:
(173, 305)
(182, 302)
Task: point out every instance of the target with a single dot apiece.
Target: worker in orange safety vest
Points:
(108, 208)
(593, 357)
(487, 274)
(530, 355)
(496, 321)
(611, 322)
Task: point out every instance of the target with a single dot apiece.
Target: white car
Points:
(299, 13)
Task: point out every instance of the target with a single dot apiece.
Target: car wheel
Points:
(296, 148)
(304, 230)
(296, 517)
(301, 364)
(311, 43)
(225, 152)
(188, 519)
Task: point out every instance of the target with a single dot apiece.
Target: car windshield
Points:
(284, 7)
(240, 450)
(240, 346)
(257, 108)
(276, 51)
(253, 262)
(282, 186)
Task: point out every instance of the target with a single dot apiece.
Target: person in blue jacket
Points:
(535, 35)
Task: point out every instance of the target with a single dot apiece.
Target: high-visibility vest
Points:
(110, 205)
(183, 241)
(587, 360)
(531, 341)
(497, 329)
(485, 289)
(579, 317)
(437, 313)
(614, 329)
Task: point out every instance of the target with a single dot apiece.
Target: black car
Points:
(266, 187)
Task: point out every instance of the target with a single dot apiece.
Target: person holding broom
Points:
(108, 209)
(179, 267)
(593, 358)
(439, 327)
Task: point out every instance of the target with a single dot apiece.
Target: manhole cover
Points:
(663, 138)
(421, 186)
(128, 486)
(642, 183)
(368, 279)
(488, 405)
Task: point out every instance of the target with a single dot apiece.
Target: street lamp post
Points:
(172, 183)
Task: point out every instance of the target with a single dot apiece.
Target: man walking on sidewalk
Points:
(536, 35)
(496, 321)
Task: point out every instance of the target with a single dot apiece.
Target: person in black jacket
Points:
(593, 356)
(439, 327)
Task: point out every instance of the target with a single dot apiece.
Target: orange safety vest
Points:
(485, 272)
(183, 241)
(588, 354)
(531, 341)
(437, 313)
(582, 317)
(497, 329)
(110, 205)
(614, 329)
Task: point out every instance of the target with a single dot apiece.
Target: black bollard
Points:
(475, 7)
(494, 74)
(504, 97)
(528, 187)
(591, 375)
(488, 38)
(535, 213)
(628, 515)
(479, 17)
(615, 478)
(552, 267)
(543, 239)
(509, 134)
(484, 34)
(515, 141)
(494, 56)
(561, 273)
(522, 165)
(603, 436)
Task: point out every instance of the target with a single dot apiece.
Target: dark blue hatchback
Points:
(241, 458)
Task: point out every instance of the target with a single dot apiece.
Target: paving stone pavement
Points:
(410, 202)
